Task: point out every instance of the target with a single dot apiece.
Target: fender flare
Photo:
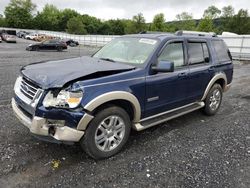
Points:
(116, 95)
(212, 81)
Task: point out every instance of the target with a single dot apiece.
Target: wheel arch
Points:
(219, 78)
(116, 97)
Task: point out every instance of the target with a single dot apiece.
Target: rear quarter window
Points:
(221, 51)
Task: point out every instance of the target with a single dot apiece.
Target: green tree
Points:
(186, 21)
(212, 12)
(18, 13)
(129, 26)
(116, 27)
(76, 26)
(66, 14)
(2, 21)
(139, 23)
(206, 25)
(49, 18)
(226, 18)
(158, 22)
(227, 11)
(240, 23)
(92, 24)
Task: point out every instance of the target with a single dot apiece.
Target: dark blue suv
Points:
(135, 81)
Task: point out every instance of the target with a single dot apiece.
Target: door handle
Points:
(183, 74)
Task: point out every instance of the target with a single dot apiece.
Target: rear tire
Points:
(107, 133)
(59, 48)
(213, 100)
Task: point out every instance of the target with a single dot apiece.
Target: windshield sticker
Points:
(148, 41)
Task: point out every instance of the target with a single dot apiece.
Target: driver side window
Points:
(173, 52)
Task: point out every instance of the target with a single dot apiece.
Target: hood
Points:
(55, 74)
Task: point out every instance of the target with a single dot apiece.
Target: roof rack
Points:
(196, 33)
(153, 32)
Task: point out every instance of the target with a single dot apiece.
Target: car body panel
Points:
(103, 81)
(45, 76)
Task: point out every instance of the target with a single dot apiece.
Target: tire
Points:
(99, 142)
(59, 48)
(213, 100)
(36, 48)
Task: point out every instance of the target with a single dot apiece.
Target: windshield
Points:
(127, 50)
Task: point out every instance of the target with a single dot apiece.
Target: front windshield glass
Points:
(127, 50)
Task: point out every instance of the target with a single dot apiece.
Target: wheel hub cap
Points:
(110, 133)
(214, 100)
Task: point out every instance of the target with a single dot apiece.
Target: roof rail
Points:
(153, 32)
(196, 33)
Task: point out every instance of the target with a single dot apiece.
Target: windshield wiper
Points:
(107, 59)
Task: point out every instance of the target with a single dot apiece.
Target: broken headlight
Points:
(64, 99)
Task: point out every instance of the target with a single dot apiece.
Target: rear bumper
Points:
(39, 126)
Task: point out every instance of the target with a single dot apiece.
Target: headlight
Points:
(64, 99)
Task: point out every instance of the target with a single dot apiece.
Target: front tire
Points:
(107, 133)
(213, 100)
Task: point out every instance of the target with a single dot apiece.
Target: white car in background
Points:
(8, 38)
(31, 36)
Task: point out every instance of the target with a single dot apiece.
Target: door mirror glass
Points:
(163, 66)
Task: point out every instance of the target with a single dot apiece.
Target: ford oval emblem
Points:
(25, 88)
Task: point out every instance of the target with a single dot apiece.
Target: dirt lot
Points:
(191, 151)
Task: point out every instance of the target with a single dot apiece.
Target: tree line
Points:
(22, 14)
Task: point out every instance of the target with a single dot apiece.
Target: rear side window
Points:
(173, 52)
(221, 50)
(198, 52)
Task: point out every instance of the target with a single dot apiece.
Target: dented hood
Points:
(55, 74)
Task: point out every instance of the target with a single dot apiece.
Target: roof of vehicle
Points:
(181, 34)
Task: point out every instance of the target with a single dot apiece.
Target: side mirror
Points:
(163, 66)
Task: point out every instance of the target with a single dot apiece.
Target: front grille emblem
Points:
(25, 88)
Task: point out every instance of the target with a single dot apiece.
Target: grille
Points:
(28, 89)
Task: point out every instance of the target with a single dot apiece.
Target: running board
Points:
(158, 119)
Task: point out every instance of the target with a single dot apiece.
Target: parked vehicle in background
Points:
(8, 38)
(135, 81)
(21, 34)
(71, 42)
(25, 34)
(31, 36)
(42, 37)
(48, 45)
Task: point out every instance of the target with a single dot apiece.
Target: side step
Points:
(160, 118)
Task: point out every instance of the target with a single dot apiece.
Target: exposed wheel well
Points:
(126, 105)
(222, 83)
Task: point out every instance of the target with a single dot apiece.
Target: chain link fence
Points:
(239, 45)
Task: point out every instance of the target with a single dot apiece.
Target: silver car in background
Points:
(8, 38)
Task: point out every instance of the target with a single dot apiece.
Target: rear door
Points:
(201, 69)
(165, 91)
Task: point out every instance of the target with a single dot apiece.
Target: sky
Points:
(112, 9)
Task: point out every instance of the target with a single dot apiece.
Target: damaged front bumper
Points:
(41, 127)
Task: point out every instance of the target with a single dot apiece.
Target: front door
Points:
(165, 91)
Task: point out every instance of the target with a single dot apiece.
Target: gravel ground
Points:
(191, 151)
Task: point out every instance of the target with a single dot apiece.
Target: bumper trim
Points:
(38, 126)
(227, 87)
